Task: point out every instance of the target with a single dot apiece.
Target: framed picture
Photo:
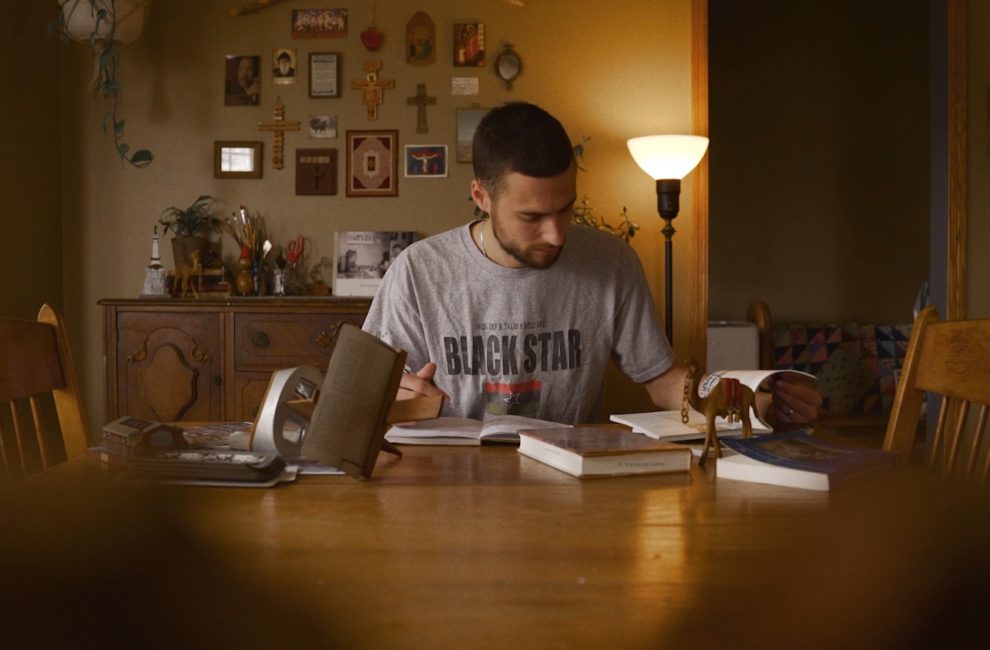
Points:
(236, 159)
(372, 163)
(284, 65)
(364, 257)
(322, 126)
(319, 23)
(469, 45)
(426, 160)
(421, 39)
(242, 85)
(324, 74)
(467, 122)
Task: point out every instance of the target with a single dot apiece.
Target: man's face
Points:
(283, 65)
(245, 72)
(530, 216)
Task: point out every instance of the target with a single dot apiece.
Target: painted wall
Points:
(31, 244)
(819, 159)
(607, 73)
(978, 280)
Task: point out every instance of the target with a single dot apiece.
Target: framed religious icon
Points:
(467, 122)
(421, 39)
(236, 159)
(469, 45)
(426, 160)
(284, 65)
(372, 163)
(324, 74)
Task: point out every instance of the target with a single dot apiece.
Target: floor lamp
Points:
(668, 159)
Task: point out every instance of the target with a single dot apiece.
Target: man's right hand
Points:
(420, 384)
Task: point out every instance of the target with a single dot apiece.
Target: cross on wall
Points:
(279, 125)
(421, 100)
(373, 88)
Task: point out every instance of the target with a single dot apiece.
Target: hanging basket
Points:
(79, 19)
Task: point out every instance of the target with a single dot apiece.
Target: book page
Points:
(505, 427)
(445, 427)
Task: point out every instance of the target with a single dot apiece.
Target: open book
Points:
(667, 425)
(465, 431)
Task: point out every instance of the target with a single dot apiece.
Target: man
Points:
(283, 65)
(520, 312)
(243, 87)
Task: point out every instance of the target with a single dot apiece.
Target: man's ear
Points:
(480, 196)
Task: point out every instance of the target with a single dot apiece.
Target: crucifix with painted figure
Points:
(373, 88)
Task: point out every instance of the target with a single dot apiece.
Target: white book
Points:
(466, 431)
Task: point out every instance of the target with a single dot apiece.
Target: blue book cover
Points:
(802, 451)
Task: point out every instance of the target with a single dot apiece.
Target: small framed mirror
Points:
(236, 159)
(508, 65)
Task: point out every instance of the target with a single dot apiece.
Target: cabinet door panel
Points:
(170, 366)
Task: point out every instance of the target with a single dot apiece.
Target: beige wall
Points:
(607, 72)
(31, 243)
(978, 280)
(819, 162)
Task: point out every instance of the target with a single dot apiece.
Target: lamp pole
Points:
(668, 205)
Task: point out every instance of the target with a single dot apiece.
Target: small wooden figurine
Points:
(729, 398)
(185, 271)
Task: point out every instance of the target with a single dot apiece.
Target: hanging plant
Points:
(101, 24)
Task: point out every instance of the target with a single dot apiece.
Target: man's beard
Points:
(527, 257)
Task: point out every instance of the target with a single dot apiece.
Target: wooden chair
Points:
(37, 370)
(950, 359)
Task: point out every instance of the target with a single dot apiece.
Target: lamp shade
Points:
(668, 156)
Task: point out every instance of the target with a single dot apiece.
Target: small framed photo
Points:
(469, 45)
(467, 122)
(324, 74)
(284, 65)
(372, 163)
(426, 160)
(319, 23)
(236, 159)
(322, 126)
(242, 84)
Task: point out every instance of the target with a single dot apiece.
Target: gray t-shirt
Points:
(522, 341)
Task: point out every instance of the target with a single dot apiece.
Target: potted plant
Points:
(102, 24)
(191, 227)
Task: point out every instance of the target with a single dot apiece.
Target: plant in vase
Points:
(191, 228)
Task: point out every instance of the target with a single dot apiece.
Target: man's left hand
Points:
(795, 399)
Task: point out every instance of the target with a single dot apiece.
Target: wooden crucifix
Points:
(421, 100)
(373, 87)
(279, 125)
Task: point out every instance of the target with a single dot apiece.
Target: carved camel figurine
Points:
(730, 399)
(185, 270)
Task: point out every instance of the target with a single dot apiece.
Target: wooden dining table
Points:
(480, 547)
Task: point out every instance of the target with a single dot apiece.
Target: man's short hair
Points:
(521, 138)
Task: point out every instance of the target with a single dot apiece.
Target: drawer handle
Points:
(325, 338)
(260, 340)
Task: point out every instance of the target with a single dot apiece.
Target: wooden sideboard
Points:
(211, 359)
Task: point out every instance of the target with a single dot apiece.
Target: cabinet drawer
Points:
(272, 341)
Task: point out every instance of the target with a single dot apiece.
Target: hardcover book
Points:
(465, 431)
(798, 459)
(603, 451)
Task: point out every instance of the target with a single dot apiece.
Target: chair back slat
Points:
(950, 359)
(40, 432)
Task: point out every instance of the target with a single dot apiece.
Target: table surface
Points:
(482, 547)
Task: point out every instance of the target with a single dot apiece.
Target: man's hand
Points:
(795, 399)
(419, 384)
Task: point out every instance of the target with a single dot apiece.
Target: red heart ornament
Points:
(372, 38)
